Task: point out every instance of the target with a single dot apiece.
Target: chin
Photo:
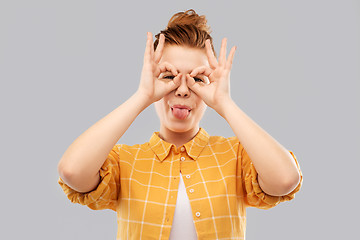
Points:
(180, 127)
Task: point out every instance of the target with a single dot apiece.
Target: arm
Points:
(277, 171)
(79, 166)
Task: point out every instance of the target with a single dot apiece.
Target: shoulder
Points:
(132, 150)
(223, 142)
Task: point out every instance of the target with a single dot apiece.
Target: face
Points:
(181, 110)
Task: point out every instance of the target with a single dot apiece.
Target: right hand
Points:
(150, 85)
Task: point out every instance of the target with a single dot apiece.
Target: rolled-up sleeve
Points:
(105, 196)
(251, 192)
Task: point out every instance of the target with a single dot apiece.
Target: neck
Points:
(177, 138)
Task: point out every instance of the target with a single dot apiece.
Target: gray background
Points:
(66, 64)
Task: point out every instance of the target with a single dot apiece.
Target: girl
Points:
(183, 183)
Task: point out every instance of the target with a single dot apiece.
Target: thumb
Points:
(196, 88)
(175, 83)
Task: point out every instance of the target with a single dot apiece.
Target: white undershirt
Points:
(182, 226)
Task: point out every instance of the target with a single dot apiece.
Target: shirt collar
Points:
(193, 148)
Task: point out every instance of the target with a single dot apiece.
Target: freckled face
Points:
(181, 110)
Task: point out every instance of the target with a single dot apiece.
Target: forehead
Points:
(185, 59)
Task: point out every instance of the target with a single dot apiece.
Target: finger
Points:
(222, 56)
(172, 85)
(147, 54)
(159, 48)
(177, 80)
(205, 70)
(196, 88)
(165, 66)
(151, 46)
(210, 54)
(230, 58)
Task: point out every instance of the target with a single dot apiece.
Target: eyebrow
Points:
(171, 73)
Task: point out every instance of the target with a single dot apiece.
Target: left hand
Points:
(217, 91)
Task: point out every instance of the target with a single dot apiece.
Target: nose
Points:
(183, 89)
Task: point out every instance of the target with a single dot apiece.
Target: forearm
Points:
(81, 162)
(277, 171)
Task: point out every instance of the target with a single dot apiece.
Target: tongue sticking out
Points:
(180, 113)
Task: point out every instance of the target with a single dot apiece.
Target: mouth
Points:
(180, 111)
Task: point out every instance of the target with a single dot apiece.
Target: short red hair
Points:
(187, 29)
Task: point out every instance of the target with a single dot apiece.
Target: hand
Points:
(216, 92)
(150, 85)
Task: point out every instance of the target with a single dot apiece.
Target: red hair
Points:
(187, 29)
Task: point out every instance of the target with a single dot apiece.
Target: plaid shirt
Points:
(141, 182)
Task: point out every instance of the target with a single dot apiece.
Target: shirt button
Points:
(191, 190)
(187, 176)
(197, 214)
(182, 149)
(182, 158)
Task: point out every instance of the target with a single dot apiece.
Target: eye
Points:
(198, 80)
(169, 77)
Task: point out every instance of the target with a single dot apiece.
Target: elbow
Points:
(76, 179)
(281, 187)
(70, 172)
(64, 171)
(290, 183)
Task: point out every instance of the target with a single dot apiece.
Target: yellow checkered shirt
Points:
(141, 182)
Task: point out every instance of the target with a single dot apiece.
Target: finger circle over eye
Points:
(201, 70)
(165, 66)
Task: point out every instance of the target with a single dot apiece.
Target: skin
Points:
(170, 76)
(184, 60)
